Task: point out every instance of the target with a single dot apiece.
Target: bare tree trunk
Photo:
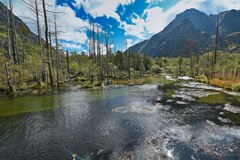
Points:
(190, 43)
(12, 32)
(40, 41)
(15, 40)
(94, 43)
(57, 53)
(99, 55)
(10, 86)
(68, 67)
(126, 65)
(8, 37)
(38, 23)
(180, 66)
(129, 64)
(107, 56)
(90, 54)
(50, 42)
(216, 41)
(23, 51)
(47, 44)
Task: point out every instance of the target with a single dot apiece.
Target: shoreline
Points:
(147, 79)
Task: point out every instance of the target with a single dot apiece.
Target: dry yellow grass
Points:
(227, 84)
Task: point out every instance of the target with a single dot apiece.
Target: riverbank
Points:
(231, 85)
(40, 88)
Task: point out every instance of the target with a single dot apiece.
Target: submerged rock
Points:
(223, 120)
(170, 78)
(185, 78)
(183, 97)
(182, 102)
(200, 86)
(231, 108)
(195, 92)
(139, 107)
(233, 93)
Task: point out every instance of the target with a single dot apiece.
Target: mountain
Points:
(21, 27)
(196, 29)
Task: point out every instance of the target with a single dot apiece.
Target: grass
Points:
(141, 80)
(236, 87)
(226, 84)
(213, 99)
(169, 93)
(202, 78)
(234, 117)
(23, 104)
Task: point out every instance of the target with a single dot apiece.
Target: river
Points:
(165, 119)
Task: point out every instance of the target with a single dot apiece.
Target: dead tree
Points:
(33, 6)
(94, 43)
(214, 59)
(68, 67)
(128, 63)
(47, 43)
(108, 52)
(57, 52)
(37, 15)
(7, 73)
(91, 55)
(99, 60)
(8, 36)
(190, 48)
(12, 32)
(50, 42)
(216, 41)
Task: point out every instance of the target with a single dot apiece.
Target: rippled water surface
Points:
(173, 121)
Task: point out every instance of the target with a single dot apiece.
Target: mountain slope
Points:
(21, 27)
(192, 24)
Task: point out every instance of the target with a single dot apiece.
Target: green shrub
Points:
(202, 78)
(236, 87)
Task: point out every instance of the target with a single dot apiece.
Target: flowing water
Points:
(162, 120)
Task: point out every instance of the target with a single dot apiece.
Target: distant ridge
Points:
(173, 40)
(20, 25)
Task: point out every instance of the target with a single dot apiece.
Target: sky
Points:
(131, 20)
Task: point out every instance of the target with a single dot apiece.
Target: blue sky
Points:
(134, 20)
(122, 14)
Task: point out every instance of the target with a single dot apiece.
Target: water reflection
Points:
(138, 122)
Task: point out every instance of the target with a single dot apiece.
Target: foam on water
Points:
(185, 78)
(170, 78)
(200, 86)
(138, 107)
(231, 108)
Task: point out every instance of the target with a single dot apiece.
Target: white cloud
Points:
(157, 19)
(154, 2)
(102, 7)
(73, 46)
(140, 28)
(131, 42)
(72, 28)
(136, 29)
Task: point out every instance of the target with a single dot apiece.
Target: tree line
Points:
(43, 64)
(36, 65)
